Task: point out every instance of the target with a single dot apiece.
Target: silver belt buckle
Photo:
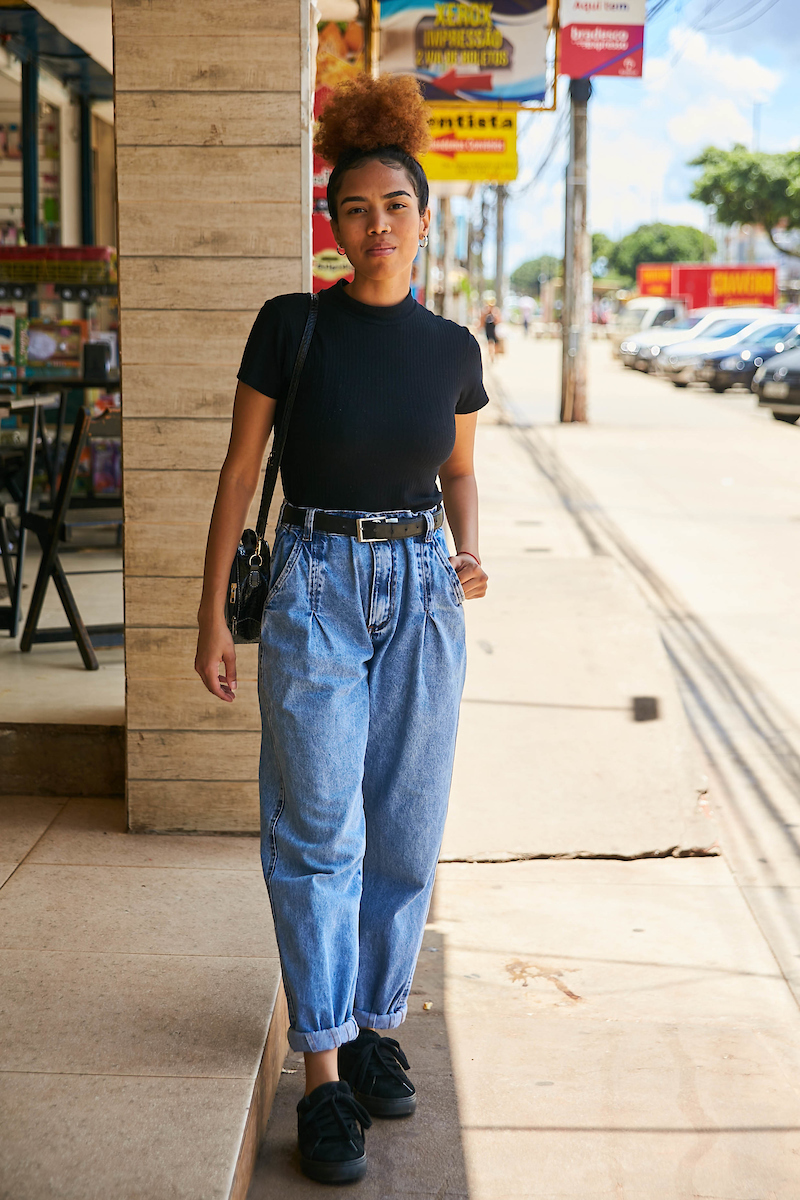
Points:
(360, 531)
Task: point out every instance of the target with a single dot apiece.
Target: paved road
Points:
(698, 496)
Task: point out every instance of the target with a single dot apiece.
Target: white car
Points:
(680, 361)
(642, 313)
(639, 350)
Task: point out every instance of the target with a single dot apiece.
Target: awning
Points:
(25, 33)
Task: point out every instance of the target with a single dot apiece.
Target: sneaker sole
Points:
(379, 1106)
(349, 1171)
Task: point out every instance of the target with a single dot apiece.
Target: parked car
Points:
(639, 314)
(632, 347)
(680, 362)
(702, 322)
(777, 385)
(737, 364)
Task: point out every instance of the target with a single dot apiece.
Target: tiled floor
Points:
(138, 976)
(50, 684)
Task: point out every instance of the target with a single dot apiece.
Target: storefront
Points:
(59, 384)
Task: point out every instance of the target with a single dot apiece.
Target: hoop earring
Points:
(341, 250)
(423, 242)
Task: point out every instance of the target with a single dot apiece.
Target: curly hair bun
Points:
(366, 113)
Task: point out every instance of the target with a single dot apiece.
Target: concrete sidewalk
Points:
(600, 1027)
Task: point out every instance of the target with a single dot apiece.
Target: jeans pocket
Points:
(285, 553)
(455, 582)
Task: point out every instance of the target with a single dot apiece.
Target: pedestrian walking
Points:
(489, 322)
(362, 650)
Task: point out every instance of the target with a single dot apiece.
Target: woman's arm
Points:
(253, 415)
(457, 477)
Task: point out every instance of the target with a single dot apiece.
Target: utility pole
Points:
(447, 257)
(576, 303)
(500, 245)
(481, 240)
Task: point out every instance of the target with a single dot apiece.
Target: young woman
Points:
(361, 663)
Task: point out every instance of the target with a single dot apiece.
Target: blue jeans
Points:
(361, 669)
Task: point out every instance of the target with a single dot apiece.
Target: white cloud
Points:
(641, 140)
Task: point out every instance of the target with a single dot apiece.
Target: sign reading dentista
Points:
(470, 142)
(702, 285)
(601, 37)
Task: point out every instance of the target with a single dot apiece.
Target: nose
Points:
(378, 221)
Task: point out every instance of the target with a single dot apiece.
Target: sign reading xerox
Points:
(460, 51)
(601, 37)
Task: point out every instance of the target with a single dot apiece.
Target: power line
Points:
(730, 17)
(753, 17)
(558, 133)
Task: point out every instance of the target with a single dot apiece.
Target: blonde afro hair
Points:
(365, 114)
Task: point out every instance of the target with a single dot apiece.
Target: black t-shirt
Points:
(374, 415)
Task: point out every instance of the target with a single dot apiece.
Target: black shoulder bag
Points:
(249, 581)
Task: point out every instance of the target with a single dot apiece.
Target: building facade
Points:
(214, 218)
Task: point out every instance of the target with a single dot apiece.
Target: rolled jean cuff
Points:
(381, 1021)
(324, 1039)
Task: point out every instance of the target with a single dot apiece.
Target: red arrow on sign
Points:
(463, 83)
(450, 146)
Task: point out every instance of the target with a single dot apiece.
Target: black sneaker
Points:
(372, 1065)
(330, 1130)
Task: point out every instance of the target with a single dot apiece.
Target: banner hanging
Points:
(461, 51)
(601, 37)
(472, 143)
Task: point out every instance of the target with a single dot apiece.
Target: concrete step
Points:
(142, 1017)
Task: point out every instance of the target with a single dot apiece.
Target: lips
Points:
(381, 249)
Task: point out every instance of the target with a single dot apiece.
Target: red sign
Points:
(601, 37)
(702, 285)
(340, 56)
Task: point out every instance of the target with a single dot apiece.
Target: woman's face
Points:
(378, 220)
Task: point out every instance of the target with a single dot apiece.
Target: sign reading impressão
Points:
(472, 143)
(601, 37)
(462, 51)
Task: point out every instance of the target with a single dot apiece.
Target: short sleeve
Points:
(473, 394)
(266, 354)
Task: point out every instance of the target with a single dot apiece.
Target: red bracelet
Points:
(469, 552)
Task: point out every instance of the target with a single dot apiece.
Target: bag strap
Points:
(279, 441)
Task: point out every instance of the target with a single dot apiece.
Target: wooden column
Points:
(213, 174)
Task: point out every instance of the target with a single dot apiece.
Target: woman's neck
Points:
(381, 292)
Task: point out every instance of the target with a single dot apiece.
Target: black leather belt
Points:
(364, 529)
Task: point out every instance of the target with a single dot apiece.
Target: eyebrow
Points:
(388, 196)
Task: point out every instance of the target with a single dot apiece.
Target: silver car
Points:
(635, 345)
(693, 325)
(680, 361)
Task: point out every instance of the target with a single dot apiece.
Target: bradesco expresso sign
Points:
(493, 51)
(704, 286)
(601, 37)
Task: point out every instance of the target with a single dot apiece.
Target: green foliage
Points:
(525, 280)
(660, 243)
(747, 187)
(602, 247)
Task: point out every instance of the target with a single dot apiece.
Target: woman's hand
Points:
(214, 646)
(472, 575)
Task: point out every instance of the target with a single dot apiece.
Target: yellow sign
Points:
(473, 143)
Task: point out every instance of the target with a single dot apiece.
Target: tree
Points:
(660, 243)
(602, 247)
(748, 188)
(525, 280)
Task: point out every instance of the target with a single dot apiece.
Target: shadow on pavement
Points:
(417, 1158)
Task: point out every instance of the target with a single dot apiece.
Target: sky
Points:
(704, 79)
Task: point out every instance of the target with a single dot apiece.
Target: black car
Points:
(723, 369)
(777, 385)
